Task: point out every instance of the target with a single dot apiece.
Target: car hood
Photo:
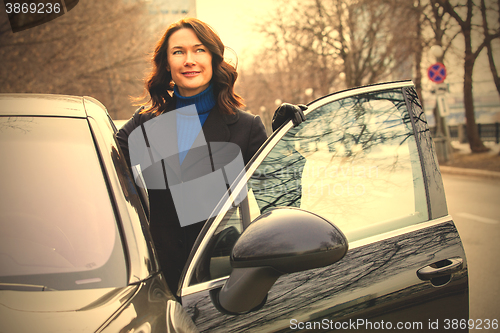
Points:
(60, 311)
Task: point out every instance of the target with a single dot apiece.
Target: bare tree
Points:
(418, 46)
(323, 46)
(98, 49)
(284, 71)
(441, 30)
(467, 30)
(365, 37)
(488, 37)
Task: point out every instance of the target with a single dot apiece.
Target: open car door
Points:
(364, 162)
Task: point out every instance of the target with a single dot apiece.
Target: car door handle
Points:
(440, 268)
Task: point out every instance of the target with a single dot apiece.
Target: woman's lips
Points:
(190, 74)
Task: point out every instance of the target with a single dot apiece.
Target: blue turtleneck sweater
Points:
(188, 126)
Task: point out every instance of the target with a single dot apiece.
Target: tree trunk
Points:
(418, 47)
(476, 144)
(489, 49)
(493, 68)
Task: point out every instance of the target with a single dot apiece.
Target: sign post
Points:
(437, 74)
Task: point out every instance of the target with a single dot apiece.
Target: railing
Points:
(487, 132)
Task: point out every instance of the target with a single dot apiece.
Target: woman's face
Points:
(189, 61)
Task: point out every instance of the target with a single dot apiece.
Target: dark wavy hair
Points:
(159, 82)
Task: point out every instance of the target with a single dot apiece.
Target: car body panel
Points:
(42, 105)
(377, 281)
(126, 309)
(60, 311)
(147, 311)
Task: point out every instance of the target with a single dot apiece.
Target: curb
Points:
(469, 172)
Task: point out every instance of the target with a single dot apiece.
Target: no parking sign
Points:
(437, 72)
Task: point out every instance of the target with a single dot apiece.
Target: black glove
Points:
(286, 112)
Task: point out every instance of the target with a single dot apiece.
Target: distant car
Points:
(343, 225)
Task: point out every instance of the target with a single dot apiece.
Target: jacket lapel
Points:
(216, 127)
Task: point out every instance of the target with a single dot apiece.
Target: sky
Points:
(235, 22)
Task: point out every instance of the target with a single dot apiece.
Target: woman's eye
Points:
(177, 52)
(200, 50)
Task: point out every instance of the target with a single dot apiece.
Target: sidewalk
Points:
(485, 165)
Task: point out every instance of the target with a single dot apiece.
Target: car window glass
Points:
(57, 220)
(354, 162)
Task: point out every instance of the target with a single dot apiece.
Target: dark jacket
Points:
(173, 243)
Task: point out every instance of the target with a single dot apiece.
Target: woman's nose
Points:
(189, 59)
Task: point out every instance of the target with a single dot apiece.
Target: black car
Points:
(338, 223)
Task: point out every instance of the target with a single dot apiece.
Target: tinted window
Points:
(354, 162)
(57, 221)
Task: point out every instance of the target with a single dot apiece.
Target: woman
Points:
(189, 68)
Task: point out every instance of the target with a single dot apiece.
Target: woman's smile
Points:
(190, 74)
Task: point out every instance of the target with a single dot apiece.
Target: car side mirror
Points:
(283, 240)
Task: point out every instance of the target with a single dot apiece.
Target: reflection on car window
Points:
(354, 162)
(57, 221)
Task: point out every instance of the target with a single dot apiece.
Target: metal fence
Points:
(487, 132)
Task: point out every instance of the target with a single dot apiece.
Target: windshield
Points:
(58, 228)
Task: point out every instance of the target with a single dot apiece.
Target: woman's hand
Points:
(288, 111)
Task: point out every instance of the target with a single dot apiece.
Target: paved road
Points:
(474, 204)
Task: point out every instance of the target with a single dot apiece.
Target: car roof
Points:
(42, 105)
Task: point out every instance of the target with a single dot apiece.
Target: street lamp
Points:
(437, 52)
(309, 92)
